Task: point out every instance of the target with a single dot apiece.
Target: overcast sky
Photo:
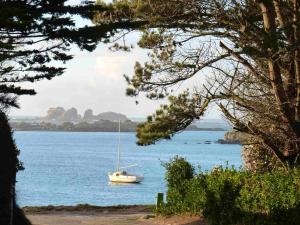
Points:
(92, 81)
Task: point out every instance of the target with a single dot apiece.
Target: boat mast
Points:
(119, 142)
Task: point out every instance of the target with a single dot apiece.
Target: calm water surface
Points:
(69, 168)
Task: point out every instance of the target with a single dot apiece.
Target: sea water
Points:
(69, 168)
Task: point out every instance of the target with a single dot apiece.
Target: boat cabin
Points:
(123, 173)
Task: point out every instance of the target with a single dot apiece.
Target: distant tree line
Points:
(106, 125)
(100, 126)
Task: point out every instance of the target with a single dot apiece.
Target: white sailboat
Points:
(120, 175)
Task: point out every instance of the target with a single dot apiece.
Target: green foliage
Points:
(221, 191)
(192, 202)
(270, 191)
(172, 118)
(178, 171)
(229, 197)
(180, 196)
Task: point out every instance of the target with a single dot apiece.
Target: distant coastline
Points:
(69, 120)
(103, 126)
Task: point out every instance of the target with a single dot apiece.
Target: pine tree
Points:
(249, 52)
(33, 35)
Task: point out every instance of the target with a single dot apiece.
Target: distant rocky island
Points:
(60, 119)
(59, 114)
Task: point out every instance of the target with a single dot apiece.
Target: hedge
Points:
(226, 196)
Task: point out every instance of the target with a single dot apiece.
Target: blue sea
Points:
(69, 168)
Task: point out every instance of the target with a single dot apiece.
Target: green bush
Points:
(271, 198)
(191, 202)
(221, 191)
(180, 181)
(178, 170)
(230, 197)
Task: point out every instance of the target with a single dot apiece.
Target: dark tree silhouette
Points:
(36, 33)
(33, 35)
(9, 165)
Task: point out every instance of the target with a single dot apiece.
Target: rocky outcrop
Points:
(60, 115)
(234, 137)
(112, 116)
(71, 115)
(54, 113)
(88, 115)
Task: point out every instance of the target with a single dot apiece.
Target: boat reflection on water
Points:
(113, 184)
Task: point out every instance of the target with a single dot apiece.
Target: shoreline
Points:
(110, 131)
(104, 215)
(88, 208)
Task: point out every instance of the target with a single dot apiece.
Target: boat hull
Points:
(125, 179)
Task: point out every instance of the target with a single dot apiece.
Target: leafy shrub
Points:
(180, 179)
(191, 202)
(229, 197)
(221, 191)
(271, 198)
(178, 170)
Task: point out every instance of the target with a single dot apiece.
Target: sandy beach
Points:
(114, 215)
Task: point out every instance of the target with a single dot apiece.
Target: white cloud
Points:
(92, 80)
(112, 66)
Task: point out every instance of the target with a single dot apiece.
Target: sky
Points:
(93, 81)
